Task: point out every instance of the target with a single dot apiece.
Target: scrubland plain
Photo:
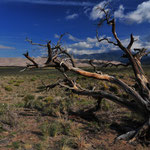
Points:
(33, 118)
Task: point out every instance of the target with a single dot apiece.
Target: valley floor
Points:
(34, 119)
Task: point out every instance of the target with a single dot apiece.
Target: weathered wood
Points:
(140, 95)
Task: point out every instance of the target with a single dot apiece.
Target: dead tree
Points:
(140, 104)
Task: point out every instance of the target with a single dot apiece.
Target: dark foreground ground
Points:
(33, 119)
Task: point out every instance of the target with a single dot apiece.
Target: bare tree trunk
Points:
(140, 95)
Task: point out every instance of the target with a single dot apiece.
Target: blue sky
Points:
(43, 20)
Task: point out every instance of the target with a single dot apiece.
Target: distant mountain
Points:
(110, 56)
(146, 60)
(81, 60)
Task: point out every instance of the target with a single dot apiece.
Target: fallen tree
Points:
(59, 58)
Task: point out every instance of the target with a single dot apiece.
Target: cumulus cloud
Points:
(72, 38)
(81, 45)
(96, 13)
(120, 12)
(141, 14)
(6, 47)
(90, 45)
(85, 51)
(91, 40)
(139, 43)
(72, 16)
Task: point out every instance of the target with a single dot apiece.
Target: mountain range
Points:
(81, 60)
(110, 56)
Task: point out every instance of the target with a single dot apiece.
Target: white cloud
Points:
(91, 45)
(6, 47)
(91, 40)
(96, 13)
(81, 45)
(70, 37)
(85, 51)
(120, 12)
(52, 2)
(141, 14)
(73, 16)
(56, 36)
(147, 45)
(137, 44)
(86, 10)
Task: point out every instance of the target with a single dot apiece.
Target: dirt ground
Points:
(32, 118)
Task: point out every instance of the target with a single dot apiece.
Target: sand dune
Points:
(23, 62)
(18, 61)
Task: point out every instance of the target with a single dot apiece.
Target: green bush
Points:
(20, 81)
(11, 82)
(49, 105)
(33, 79)
(8, 88)
(31, 102)
(55, 128)
(16, 84)
(50, 129)
(20, 104)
